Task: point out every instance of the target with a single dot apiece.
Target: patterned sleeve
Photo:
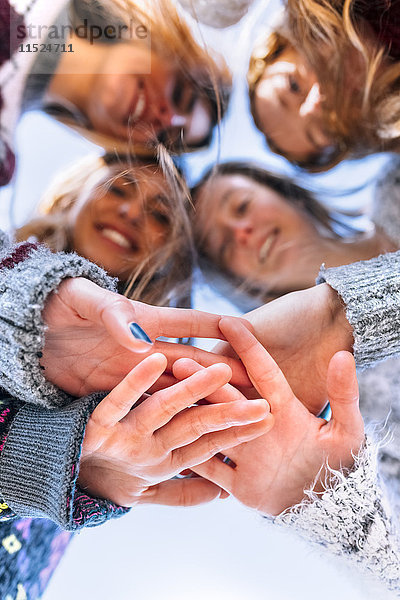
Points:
(42, 427)
(8, 410)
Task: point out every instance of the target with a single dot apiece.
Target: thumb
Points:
(342, 388)
(113, 311)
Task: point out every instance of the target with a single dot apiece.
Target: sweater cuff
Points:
(371, 292)
(25, 284)
(351, 518)
(39, 466)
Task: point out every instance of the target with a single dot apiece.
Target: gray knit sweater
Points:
(356, 516)
(41, 427)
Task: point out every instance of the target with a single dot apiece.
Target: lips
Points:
(266, 248)
(125, 241)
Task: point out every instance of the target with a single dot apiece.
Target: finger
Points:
(165, 381)
(115, 312)
(209, 445)
(263, 371)
(185, 367)
(179, 322)
(217, 471)
(162, 406)
(173, 352)
(342, 389)
(181, 492)
(119, 402)
(198, 421)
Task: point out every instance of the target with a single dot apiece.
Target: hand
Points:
(128, 455)
(273, 470)
(89, 346)
(302, 331)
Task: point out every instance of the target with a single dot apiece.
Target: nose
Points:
(131, 210)
(311, 102)
(242, 232)
(165, 117)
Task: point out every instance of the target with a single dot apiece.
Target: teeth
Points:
(264, 250)
(140, 106)
(116, 237)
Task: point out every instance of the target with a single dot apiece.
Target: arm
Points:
(346, 510)
(352, 519)
(79, 313)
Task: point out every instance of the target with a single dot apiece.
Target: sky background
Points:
(221, 551)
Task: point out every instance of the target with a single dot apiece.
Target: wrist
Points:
(338, 327)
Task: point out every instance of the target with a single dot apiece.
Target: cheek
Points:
(243, 263)
(155, 235)
(82, 231)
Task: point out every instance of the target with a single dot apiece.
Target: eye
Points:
(293, 85)
(242, 207)
(158, 209)
(183, 96)
(117, 191)
(160, 217)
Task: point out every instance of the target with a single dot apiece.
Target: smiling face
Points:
(161, 103)
(287, 107)
(119, 225)
(255, 234)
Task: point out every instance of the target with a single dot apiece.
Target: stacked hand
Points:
(89, 346)
(302, 331)
(273, 470)
(129, 456)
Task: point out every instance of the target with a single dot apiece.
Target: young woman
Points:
(324, 84)
(129, 218)
(127, 74)
(268, 234)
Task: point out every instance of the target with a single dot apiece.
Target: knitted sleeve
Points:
(42, 428)
(370, 291)
(28, 275)
(352, 519)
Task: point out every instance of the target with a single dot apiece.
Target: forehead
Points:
(219, 187)
(138, 175)
(216, 195)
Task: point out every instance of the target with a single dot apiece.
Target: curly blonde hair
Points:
(331, 34)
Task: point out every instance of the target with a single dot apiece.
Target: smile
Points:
(140, 107)
(266, 248)
(118, 238)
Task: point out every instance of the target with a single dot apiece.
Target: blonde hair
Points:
(328, 33)
(164, 277)
(171, 38)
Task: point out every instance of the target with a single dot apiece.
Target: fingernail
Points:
(139, 333)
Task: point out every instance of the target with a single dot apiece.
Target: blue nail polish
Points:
(139, 333)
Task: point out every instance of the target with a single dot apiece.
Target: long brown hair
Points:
(329, 34)
(164, 277)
